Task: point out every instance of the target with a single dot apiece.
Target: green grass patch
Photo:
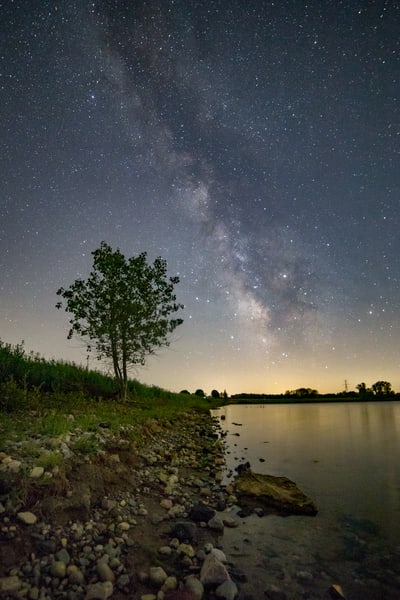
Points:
(86, 444)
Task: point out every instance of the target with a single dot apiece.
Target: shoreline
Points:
(102, 525)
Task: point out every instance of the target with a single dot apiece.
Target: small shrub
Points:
(48, 460)
(87, 444)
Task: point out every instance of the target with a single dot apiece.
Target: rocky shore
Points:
(131, 520)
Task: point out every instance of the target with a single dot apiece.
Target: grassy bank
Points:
(40, 398)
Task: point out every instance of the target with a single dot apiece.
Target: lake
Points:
(346, 457)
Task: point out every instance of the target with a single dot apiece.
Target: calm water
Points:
(346, 456)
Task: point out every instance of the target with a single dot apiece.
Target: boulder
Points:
(277, 493)
(213, 572)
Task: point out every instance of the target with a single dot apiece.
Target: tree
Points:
(382, 388)
(362, 389)
(123, 309)
(215, 394)
(200, 392)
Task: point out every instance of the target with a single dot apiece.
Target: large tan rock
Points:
(278, 493)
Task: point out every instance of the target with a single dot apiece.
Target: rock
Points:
(63, 555)
(10, 585)
(227, 590)
(123, 581)
(65, 451)
(186, 549)
(27, 517)
(172, 482)
(216, 524)
(166, 503)
(157, 576)
(184, 530)
(33, 593)
(194, 585)
(279, 493)
(104, 571)
(176, 511)
(107, 504)
(58, 569)
(243, 467)
(99, 591)
(213, 572)
(336, 591)
(219, 555)
(171, 583)
(14, 466)
(36, 472)
(201, 512)
(75, 575)
(148, 597)
(229, 522)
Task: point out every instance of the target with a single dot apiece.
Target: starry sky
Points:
(252, 144)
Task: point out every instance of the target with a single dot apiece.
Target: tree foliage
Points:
(382, 388)
(379, 388)
(122, 309)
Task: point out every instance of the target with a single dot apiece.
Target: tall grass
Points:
(30, 380)
(31, 371)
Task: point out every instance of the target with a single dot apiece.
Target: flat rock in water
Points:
(279, 493)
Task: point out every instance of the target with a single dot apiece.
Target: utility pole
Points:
(346, 387)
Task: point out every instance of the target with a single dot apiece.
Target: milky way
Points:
(254, 145)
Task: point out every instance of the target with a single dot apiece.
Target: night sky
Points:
(252, 144)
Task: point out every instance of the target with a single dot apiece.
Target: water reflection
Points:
(345, 456)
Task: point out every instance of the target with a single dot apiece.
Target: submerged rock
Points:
(278, 493)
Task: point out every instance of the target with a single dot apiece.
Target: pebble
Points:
(216, 524)
(187, 550)
(104, 571)
(230, 522)
(58, 569)
(10, 584)
(171, 583)
(99, 591)
(219, 555)
(36, 472)
(157, 576)
(75, 575)
(27, 517)
(194, 585)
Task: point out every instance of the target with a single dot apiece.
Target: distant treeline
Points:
(247, 398)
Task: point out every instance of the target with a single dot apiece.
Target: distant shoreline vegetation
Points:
(290, 398)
